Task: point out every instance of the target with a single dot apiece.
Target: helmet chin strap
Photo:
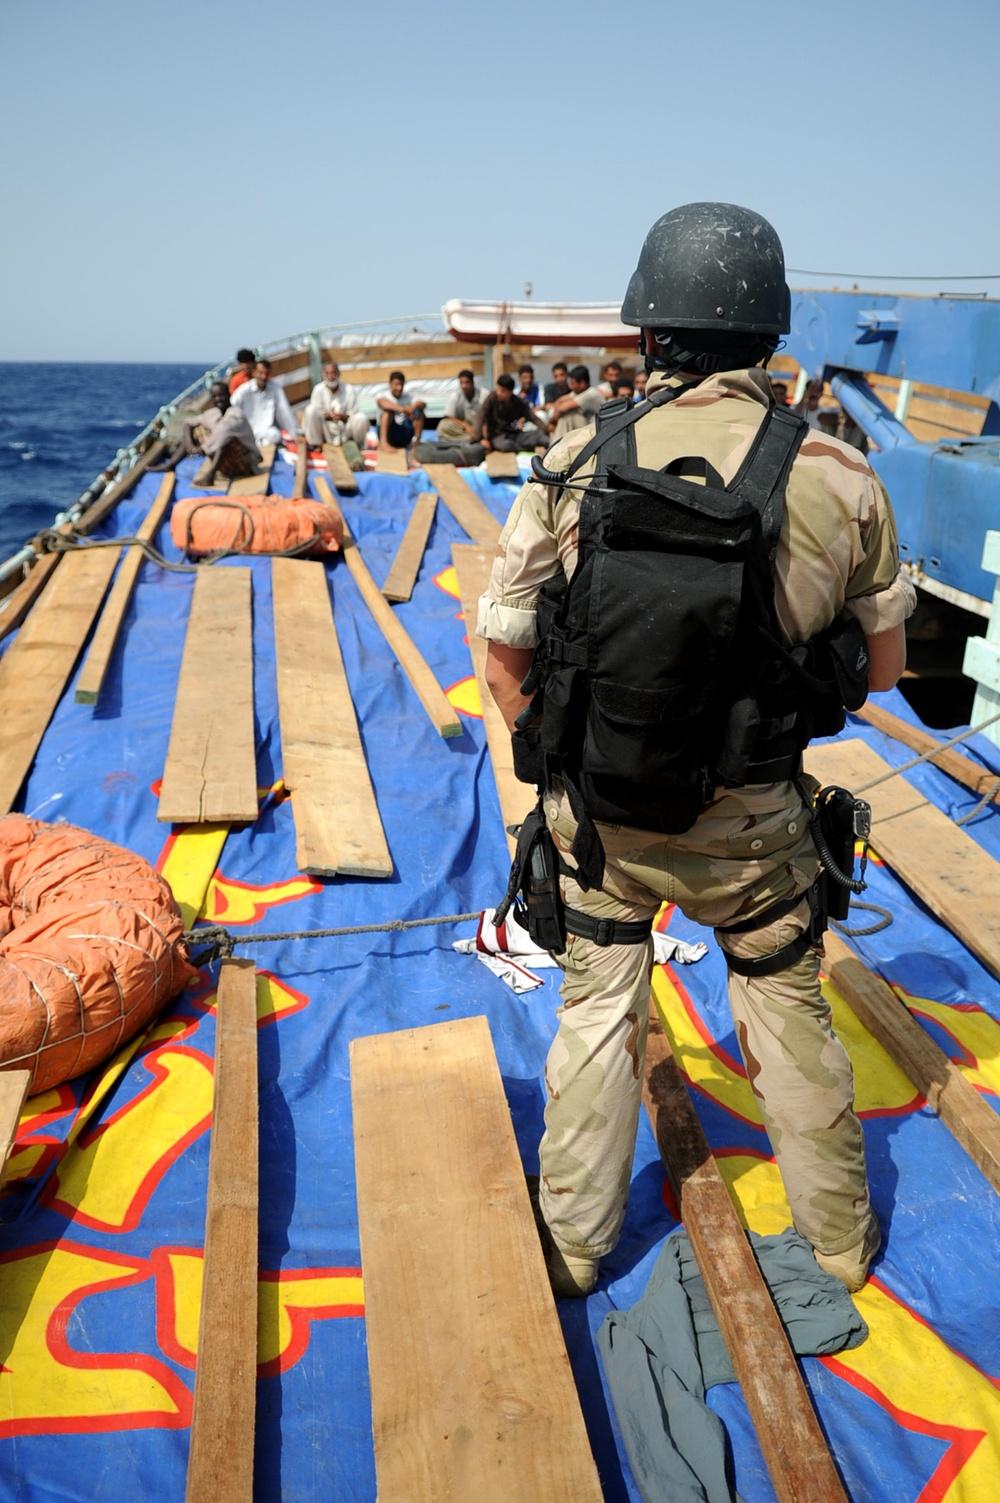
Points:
(670, 356)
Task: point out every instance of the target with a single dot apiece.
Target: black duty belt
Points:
(605, 931)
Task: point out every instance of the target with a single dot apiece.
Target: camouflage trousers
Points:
(750, 850)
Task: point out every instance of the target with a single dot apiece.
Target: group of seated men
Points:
(251, 410)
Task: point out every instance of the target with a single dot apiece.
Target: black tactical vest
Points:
(660, 672)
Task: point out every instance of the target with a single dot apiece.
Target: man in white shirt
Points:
(332, 414)
(577, 409)
(461, 411)
(401, 418)
(265, 406)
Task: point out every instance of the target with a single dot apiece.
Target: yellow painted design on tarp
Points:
(189, 866)
(464, 697)
(44, 1377)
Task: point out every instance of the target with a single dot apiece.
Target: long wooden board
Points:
(800, 1465)
(109, 499)
(13, 1092)
(464, 505)
(259, 484)
(946, 1090)
(220, 1464)
(426, 687)
(35, 670)
(95, 664)
(502, 466)
(211, 774)
(943, 865)
(472, 1393)
(472, 566)
(406, 565)
(340, 472)
(15, 606)
(300, 484)
(337, 824)
(957, 766)
(390, 461)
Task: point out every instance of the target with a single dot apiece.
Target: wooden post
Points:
(798, 1460)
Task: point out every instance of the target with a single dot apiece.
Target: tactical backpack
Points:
(661, 672)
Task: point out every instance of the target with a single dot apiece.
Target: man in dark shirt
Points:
(559, 385)
(498, 417)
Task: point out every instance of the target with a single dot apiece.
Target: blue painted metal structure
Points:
(946, 494)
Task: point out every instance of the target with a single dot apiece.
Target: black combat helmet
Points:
(710, 266)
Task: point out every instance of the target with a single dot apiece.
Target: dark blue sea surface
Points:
(62, 424)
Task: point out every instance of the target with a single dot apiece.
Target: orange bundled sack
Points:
(255, 524)
(89, 948)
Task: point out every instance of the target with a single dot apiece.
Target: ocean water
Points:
(61, 424)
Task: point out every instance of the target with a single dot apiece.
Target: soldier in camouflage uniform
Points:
(749, 850)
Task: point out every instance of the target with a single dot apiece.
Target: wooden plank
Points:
(945, 1089)
(943, 865)
(211, 772)
(465, 506)
(390, 461)
(109, 499)
(15, 606)
(401, 354)
(300, 485)
(95, 665)
(340, 472)
(13, 1092)
(220, 1462)
(799, 1463)
(422, 370)
(297, 391)
(472, 566)
(406, 565)
(472, 1392)
(259, 484)
(426, 687)
(962, 769)
(500, 466)
(36, 668)
(337, 824)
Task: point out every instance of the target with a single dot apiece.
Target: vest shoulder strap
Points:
(763, 475)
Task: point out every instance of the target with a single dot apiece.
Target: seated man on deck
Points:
(244, 370)
(612, 373)
(222, 433)
(461, 411)
(498, 425)
(578, 408)
(401, 421)
(265, 406)
(559, 385)
(527, 388)
(332, 411)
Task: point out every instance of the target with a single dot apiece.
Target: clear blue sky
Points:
(178, 179)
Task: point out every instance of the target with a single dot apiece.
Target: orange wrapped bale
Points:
(89, 948)
(255, 524)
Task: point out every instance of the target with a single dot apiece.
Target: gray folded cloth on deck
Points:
(661, 1355)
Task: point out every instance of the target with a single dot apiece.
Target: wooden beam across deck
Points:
(300, 485)
(13, 1093)
(463, 503)
(337, 823)
(472, 566)
(220, 1462)
(340, 472)
(473, 1397)
(426, 687)
(259, 484)
(798, 1459)
(211, 773)
(970, 1120)
(406, 565)
(98, 659)
(402, 355)
(979, 779)
(37, 667)
(944, 866)
(389, 461)
(502, 466)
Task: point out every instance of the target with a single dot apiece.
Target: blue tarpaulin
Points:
(104, 1209)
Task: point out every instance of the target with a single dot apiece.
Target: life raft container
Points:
(89, 948)
(255, 524)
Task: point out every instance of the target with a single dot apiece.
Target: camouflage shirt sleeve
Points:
(540, 535)
(878, 593)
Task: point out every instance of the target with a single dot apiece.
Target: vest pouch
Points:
(740, 733)
(654, 737)
(563, 710)
(849, 657)
(529, 763)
